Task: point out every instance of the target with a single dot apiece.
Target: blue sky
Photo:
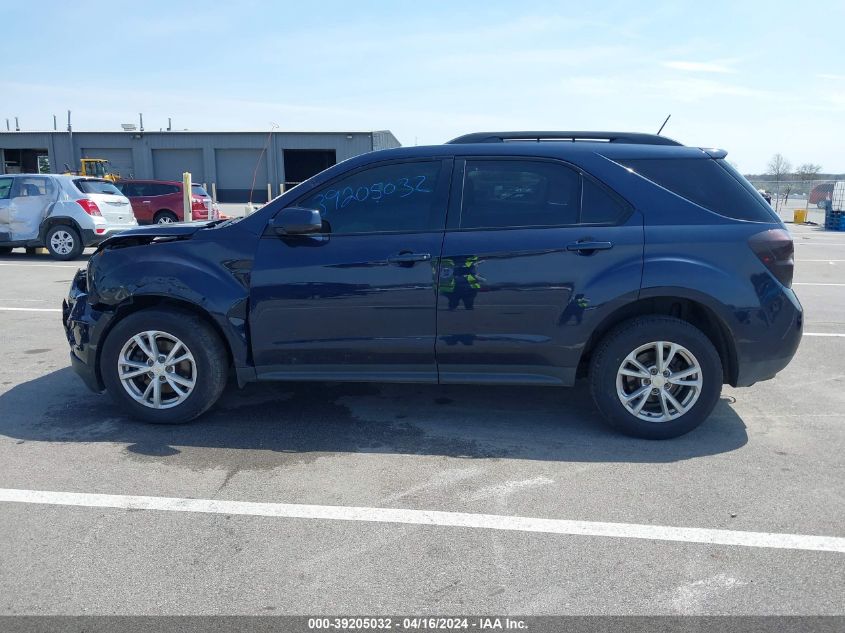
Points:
(753, 77)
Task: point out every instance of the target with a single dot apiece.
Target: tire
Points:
(5, 250)
(664, 420)
(63, 242)
(165, 217)
(207, 367)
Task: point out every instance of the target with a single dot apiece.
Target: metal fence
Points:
(788, 196)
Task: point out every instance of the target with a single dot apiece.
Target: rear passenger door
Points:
(535, 254)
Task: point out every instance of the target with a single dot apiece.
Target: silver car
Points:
(63, 214)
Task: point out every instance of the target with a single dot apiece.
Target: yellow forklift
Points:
(95, 168)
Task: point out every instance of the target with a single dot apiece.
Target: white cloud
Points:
(700, 67)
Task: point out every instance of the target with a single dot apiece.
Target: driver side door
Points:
(358, 300)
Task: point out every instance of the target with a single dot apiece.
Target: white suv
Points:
(64, 214)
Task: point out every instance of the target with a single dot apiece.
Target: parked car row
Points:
(160, 201)
(66, 213)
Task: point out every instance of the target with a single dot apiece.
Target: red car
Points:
(820, 194)
(160, 201)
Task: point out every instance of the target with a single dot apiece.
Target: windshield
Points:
(96, 186)
(95, 168)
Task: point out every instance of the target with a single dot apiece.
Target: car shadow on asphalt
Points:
(307, 420)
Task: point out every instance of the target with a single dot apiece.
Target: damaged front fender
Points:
(174, 263)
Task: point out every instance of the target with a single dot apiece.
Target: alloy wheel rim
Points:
(61, 242)
(165, 219)
(157, 369)
(659, 381)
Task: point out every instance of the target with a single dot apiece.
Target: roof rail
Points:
(607, 137)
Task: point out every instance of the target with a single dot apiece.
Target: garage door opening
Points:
(26, 161)
(301, 164)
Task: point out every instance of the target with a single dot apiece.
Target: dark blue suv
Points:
(652, 269)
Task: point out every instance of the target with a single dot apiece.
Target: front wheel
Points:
(164, 366)
(656, 377)
(63, 242)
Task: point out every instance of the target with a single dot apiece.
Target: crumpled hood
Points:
(155, 232)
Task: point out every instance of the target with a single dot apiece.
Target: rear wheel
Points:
(164, 366)
(656, 377)
(63, 242)
(165, 217)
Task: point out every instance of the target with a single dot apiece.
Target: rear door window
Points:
(709, 183)
(600, 206)
(161, 189)
(519, 193)
(33, 186)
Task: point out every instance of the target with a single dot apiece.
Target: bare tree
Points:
(808, 171)
(778, 168)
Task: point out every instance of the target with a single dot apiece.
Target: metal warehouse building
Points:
(225, 161)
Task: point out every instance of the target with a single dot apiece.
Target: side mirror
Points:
(297, 221)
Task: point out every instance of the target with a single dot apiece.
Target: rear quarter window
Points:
(709, 183)
(97, 186)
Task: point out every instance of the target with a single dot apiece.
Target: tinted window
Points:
(27, 187)
(127, 189)
(97, 186)
(509, 193)
(397, 197)
(599, 206)
(158, 189)
(707, 183)
(5, 188)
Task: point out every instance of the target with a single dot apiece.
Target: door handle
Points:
(407, 258)
(588, 247)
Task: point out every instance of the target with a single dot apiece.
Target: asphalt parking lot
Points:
(769, 460)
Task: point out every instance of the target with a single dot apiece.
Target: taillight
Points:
(775, 250)
(197, 204)
(90, 206)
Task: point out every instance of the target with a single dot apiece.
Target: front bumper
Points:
(90, 237)
(81, 326)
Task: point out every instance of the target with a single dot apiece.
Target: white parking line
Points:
(824, 334)
(34, 265)
(829, 261)
(433, 518)
(2, 309)
(807, 283)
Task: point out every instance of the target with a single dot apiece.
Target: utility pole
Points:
(70, 142)
(141, 117)
(17, 126)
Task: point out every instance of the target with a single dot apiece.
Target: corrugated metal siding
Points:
(170, 164)
(235, 168)
(155, 154)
